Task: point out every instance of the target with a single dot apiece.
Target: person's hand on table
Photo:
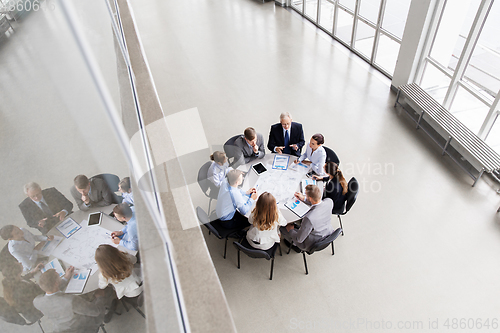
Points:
(115, 236)
(317, 177)
(61, 215)
(41, 223)
(50, 237)
(306, 162)
(299, 196)
(295, 147)
(296, 161)
(38, 268)
(279, 150)
(289, 226)
(69, 272)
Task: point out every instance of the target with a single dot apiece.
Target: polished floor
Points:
(420, 243)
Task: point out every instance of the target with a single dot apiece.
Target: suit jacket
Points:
(333, 190)
(246, 153)
(71, 313)
(100, 195)
(316, 225)
(277, 139)
(56, 202)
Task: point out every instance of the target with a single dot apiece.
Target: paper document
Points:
(78, 281)
(306, 182)
(54, 264)
(50, 245)
(281, 162)
(68, 227)
(300, 167)
(298, 207)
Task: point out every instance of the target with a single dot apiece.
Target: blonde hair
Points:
(265, 213)
(114, 264)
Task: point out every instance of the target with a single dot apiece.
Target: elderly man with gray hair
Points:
(286, 137)
(42, 209)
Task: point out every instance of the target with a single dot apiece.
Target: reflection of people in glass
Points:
(126, 190)
(251, 145)
(22, 245)
(117, 268)
(286, 137)
(336, 186)
(265, 219)
(42, 209)
(315, 154)
(91, 192)
(218, 169)
(315, 224)
(127, 237)
(19, 291)
(233, 203)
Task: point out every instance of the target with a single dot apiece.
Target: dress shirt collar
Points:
(39, 203)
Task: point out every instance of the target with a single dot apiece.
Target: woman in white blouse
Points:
(265, 219)
(117, 268)
(315, 154)
(219, 168)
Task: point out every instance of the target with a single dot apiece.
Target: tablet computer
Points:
(95, 219)
(259, 168)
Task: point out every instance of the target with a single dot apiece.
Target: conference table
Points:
(282, 184)
(88, 246)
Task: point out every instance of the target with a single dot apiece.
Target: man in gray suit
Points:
(251, 146)
(91, 192)
(315, 224)
(69, 313)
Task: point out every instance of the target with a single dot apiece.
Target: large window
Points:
(461, 69)
(373, 29)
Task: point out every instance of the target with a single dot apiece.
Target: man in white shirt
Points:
(22, 245)
(233, 203)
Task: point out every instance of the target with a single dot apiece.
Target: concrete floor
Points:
(421, 244)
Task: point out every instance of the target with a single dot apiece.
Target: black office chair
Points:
(233, 152)
(350, 199)
(207, 187)
(135, 302)
(112, 181)
(331, 156)
(6, 257)
(10, 315)
(245, 247)
(216, 228)
(320, 245)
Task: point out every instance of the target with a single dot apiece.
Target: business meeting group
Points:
(255, 217)
(21, 260)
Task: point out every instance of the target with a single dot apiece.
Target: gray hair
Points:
(285, 114)
(31, 186)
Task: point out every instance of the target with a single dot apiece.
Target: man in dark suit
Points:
(250, 146)
(286, 137)
(42, 209)
(91, 192)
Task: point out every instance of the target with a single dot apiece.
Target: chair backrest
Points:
(6, 257)
(112, 182)
(232, 151)
(352, 193)
(251, 252)
(331, 156)
(9, 314)
(207, 187)
(322, 244)
(205, 220)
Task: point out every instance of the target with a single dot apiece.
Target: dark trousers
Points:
(237, 222)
